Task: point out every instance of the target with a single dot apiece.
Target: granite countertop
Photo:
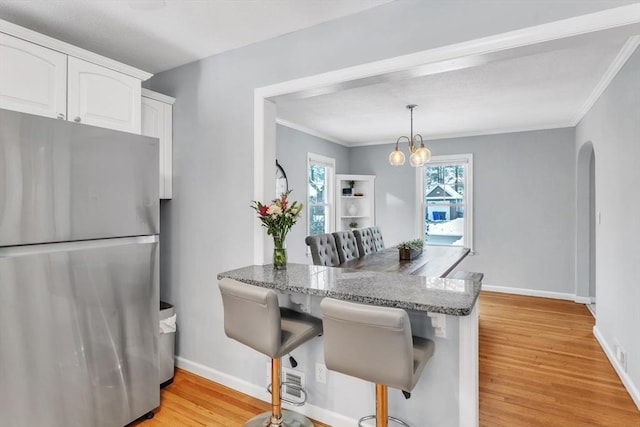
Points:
(428, 294)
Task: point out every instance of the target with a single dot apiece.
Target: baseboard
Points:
(533, 293)
(583, 300)
(626, 381)
(243, 386)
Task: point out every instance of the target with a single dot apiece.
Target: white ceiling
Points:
(157, 35)
(546, 89)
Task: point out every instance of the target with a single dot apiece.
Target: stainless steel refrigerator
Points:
(78, 274)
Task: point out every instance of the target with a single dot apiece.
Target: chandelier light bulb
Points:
(424, 153)
(396, 158)
(415, 160)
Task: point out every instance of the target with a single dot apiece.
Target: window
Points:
(320, 198)
(445, 190)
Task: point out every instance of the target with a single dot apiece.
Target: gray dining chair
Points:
(346, 245)
(377, 238)
(323, 249)
(364, 240)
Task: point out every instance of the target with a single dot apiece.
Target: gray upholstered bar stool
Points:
(323, 249)
(377, 238)
(346, 245)
(374, 344)
(253, 317)
(364, 240)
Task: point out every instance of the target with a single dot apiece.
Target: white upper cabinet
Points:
(157, 121)
(102, 97)
(33, 79)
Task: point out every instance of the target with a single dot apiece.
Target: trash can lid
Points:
(165, 305)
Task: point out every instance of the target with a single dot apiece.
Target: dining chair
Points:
(323, 249)
(364, 240)
(377, 238)
(346, 245)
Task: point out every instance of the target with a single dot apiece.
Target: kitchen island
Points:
(440, 308)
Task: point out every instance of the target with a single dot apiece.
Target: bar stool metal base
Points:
(289, 419)
(390, 418)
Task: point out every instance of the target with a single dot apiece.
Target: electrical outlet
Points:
(621, 355)
(321, 373)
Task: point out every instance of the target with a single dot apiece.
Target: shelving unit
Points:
(352, 208)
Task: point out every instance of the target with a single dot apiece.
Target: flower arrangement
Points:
(278, 217)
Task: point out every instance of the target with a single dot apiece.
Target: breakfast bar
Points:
(442, 309)
(422, 294)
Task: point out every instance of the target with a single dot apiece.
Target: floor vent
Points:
(296, 378)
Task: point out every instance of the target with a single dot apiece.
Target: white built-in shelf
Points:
(350, 208)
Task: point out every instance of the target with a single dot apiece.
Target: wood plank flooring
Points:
(539, 366)
(194, 401)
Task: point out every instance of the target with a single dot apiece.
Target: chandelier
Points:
(419, 154)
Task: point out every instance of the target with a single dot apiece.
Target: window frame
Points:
(421, 205)
(330, 162)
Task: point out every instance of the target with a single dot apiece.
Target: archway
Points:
(585, 225)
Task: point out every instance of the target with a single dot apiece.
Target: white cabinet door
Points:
(102, 97)
(157, 118)
(33, 79)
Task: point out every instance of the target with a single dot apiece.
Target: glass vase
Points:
(279, 253)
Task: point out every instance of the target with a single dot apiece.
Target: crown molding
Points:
(71, 50)
(618, 62)
(497, 131)
(310, 131)
(158, 96)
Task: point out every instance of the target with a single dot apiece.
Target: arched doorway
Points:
(586, 219)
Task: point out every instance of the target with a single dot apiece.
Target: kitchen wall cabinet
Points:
(44, 76)
(355, 201)
(102, 97)
(33, 79)
(157, 121)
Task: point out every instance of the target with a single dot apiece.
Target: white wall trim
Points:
(583, 300)
(158, 96)
(624, 377)
(309, 131)
(469, 387)
(515, 129)
(618, 62)
(71, 50)
(243, 386)
(529, 292)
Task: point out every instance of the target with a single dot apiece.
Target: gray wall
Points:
(208, 226)
(523, 209)
(292, 147)
(613, 127)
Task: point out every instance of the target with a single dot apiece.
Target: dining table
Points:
(434, 261)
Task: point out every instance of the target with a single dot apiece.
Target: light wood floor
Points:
(539, 366)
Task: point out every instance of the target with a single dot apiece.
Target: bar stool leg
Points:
(278, 417)
(382, 411)
(276, 402)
